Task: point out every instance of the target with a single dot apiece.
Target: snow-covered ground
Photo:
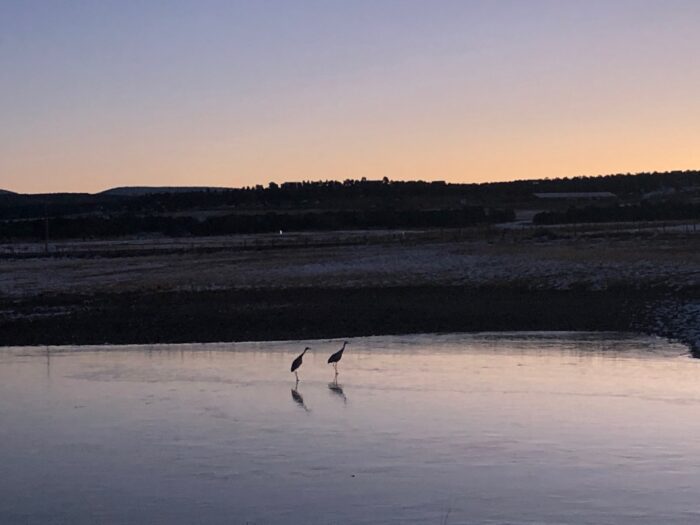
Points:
(583, 264)
(677, 319)
(669, 266)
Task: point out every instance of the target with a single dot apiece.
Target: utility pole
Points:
(46, 228)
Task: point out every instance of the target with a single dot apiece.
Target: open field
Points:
(352, 283)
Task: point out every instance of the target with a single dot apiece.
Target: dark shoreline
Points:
(314, 313)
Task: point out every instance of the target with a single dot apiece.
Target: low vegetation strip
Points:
(645, 211)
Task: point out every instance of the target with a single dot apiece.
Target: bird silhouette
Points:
(297, 363)
(337, 357)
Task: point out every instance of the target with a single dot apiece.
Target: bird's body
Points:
(333, 359)
(297, 363)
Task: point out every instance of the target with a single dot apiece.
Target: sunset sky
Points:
(95, 94)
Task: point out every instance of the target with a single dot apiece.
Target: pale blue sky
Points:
(102, 93)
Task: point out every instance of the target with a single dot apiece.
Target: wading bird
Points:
(336, 357)
(297, 363)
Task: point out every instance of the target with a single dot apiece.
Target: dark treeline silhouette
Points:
(23, 206)
(624, 185)
(126, 224)
(644, 211)
(335, 195)
(329, 205)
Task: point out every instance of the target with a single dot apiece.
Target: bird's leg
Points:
(297, 376)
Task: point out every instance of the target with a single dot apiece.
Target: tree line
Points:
(333, 195)
(644, 211)
(90, 227)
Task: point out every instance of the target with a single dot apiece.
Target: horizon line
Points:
(363, 179)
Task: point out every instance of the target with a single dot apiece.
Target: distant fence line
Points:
(232, 243)
(294, 240)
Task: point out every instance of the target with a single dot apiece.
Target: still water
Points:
(515, 428)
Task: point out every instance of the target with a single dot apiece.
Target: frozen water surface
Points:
(507, 428)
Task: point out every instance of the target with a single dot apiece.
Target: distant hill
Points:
(137, 191)
(7, 192)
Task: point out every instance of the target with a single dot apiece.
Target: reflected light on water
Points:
(515, 428)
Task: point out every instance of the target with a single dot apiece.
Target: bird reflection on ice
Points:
(299, 400)
(338, 390)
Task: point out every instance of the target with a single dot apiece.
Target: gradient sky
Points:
(95, 94)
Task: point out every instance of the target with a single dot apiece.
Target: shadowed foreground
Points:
(251, 315)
